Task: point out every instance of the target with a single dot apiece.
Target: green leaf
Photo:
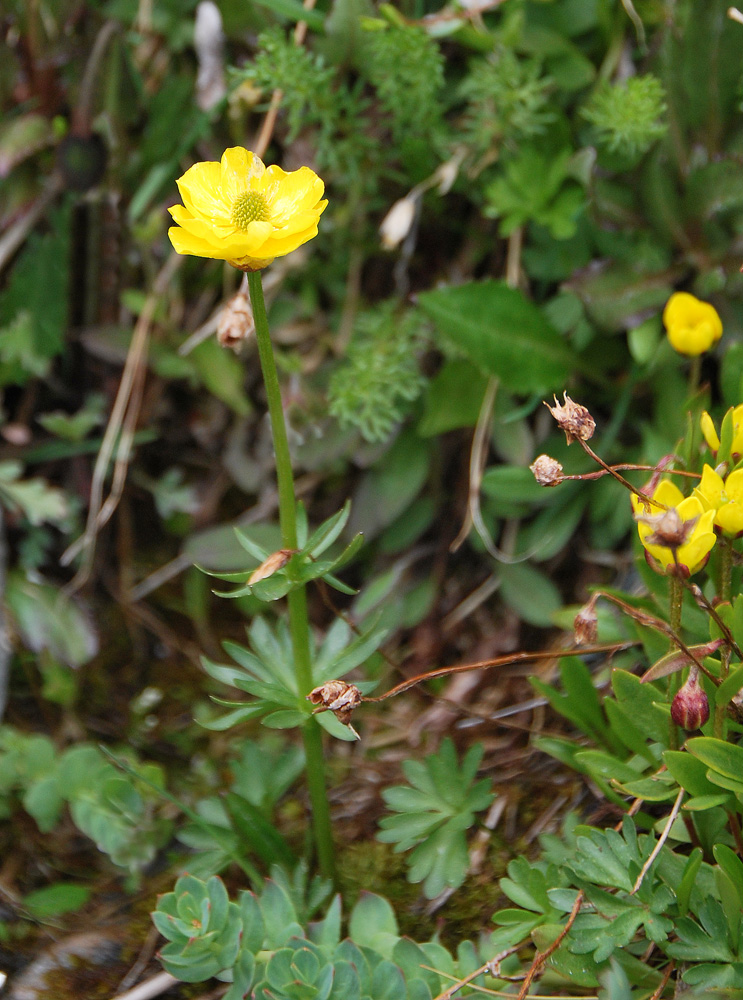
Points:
(372, 923)
(724, 758)
(50, 620)
(453, 398)
(529, 592)
(54, 900)
(502, 332)
(732, 865)
(222, 374)
(258, 832)
(688, 880)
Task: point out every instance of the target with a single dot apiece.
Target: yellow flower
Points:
(692, 525)
(724, 497)
(712, 437)
(692, 326)
(242, 212)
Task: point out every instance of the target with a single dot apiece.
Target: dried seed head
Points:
(236, 322)
(669, 528)
(276, 561)
(585, 625)
(573, 418)
(690, 707)
(547, 470)
(337, 697)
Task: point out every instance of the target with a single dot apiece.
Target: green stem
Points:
(299, 626)
(676, 597)
(726, 572)
(695, 374)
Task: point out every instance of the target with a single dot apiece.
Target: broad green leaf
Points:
(502, 332)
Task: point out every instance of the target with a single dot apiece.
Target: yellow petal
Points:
(185, 242)
(709, 490)
(240, 170)
(709, 432)
(201, 190)
(730, 518)
(209, 231)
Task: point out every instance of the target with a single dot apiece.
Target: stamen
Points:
(251, 206)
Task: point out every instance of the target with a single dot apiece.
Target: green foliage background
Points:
(570, 163)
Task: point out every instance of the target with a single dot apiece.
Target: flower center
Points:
(250, 206)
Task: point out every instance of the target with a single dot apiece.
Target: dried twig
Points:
(124, 414)
(541, 957)
(661, 841)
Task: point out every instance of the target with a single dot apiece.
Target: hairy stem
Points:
(675, 596)
(297, 599)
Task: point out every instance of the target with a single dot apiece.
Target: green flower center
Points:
(251, 206)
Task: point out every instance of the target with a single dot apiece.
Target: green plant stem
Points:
(695, 374)
(726, 572)
(675, 599)
(299, 626)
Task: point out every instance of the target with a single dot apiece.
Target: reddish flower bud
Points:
(690, 707)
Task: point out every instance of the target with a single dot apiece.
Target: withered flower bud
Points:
(337, 697)
(236, 322)
(669, 528)
(547, 470)
(277, 560)
(573, 418)
(585, 625)
(690, 707)
(398, 222)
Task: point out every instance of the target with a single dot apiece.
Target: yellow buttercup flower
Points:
(712, 437)
(724, 497)
(693, 326)
(243, 212)
(681, 526)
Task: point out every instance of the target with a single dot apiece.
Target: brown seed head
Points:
(236, 322)
(337, 697)
(585, 625)
(573, 418)
(690, 707)
(547, 470)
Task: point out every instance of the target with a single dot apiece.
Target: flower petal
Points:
(240, 170)
(201, 190)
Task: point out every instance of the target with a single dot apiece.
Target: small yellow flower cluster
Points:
(677, 536)
(724, 497)
(693, 326)
(242, 212)
(713, 439)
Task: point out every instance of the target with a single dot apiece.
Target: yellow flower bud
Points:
(693, 326)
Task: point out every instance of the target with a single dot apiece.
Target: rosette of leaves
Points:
(202, 927)
(266, 671)
(433, 814)
(294, 569)
(284, 955)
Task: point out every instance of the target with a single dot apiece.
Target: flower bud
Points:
(585, 625)
(236, 322)
(573, 418)
(398, 222)
(690, 707)
(547, 470)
